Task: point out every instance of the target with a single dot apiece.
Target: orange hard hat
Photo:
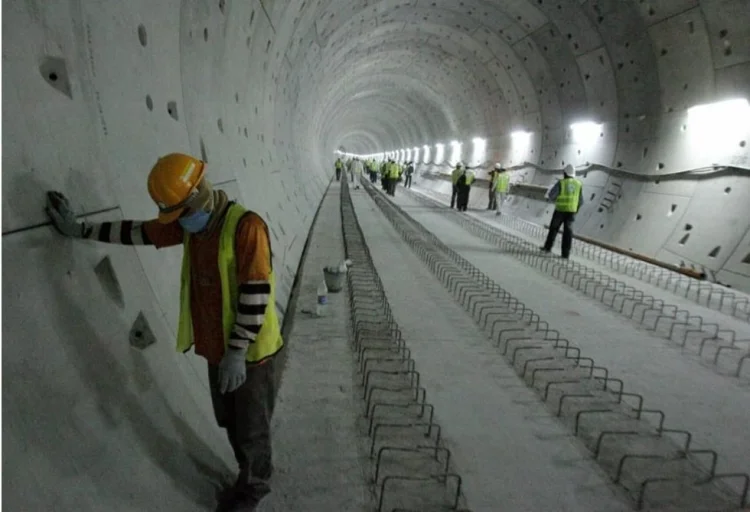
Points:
(172, 182)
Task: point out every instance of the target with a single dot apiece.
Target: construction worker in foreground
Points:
(500, 180)
(227, 303)
(567, 194)
(457, 171)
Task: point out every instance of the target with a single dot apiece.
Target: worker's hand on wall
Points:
(62, 216)
(232, 372)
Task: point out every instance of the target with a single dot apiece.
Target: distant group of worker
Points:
(567, 193)
(391, 172)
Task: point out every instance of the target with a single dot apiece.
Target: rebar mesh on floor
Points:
(411, 469)
(655, 465)
(704, 293)
(716, 345)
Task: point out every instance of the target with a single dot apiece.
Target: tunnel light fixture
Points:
(426, 156)
(439, 153)
(520, 135)
(479, 151)
(456, 152)
(714, 129)
(733, 114)
(585, 132)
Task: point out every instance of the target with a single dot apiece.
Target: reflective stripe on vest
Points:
(501, 182)
(269, 340)
(570, 193)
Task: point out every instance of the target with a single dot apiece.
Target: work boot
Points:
(243, 498)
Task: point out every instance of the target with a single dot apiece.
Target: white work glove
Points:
(62, 216)
(232, 373)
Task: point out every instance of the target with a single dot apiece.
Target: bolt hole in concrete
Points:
(204, 155)
(205, 34)
(688, 227)
(746, 259)
(142, 36)
(727, 190)
(220, 124)
(638, 216)
(149, 102)
(684, 239)
(54, 71)
(743, 143)
(672, 209)
(714, 252)
(172, 109)
(105, 272)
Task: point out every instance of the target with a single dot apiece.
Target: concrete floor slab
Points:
(714, 408)
(319, 460)
(510, 451)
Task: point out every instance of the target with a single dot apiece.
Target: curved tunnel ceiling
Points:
(265, 91)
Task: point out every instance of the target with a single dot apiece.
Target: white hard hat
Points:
(498, 166)
(570, 171)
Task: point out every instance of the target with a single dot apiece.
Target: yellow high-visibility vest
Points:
(570, 193)
(269, 340)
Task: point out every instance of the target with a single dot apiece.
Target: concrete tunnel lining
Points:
(283, 78)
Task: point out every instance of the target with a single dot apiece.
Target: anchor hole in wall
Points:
(237, 97)
(142, 36)
(220, 124)
(691, 26)
(55, 73)
(244, 161)
(727, 190)
(149, 102)
(601, 226)
(222, 6)
(743, 143)
(645, 151)
(664, 51)
(746, 259)
(204, 155)
(684, 239)
(672, 210)
(714, 252)
(205, 34)
(638, 216)
(660, 166)
(141, 335)
(656, 182)
(651, 11)
(723, 33)
(172, 109)
(105, 272)
(727, 48)
(688, 227)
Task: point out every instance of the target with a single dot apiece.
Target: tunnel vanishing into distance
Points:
(265, 91)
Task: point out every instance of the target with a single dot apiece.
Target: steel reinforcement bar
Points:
(710, 295)
(411, 468)
(717, 346)
(657, 466)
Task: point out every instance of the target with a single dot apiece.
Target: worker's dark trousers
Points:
(463, 197)
(493, 201)
(245, 413)
(566, 220)
(407, 182)
(454, 194)
(338, 174)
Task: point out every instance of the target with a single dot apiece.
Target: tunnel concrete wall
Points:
(265, 91)
(94, 93)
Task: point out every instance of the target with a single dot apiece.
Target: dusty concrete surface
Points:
(511, 453)
(713, 407)
(317, 445)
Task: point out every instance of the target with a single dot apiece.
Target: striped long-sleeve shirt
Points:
(253, 257)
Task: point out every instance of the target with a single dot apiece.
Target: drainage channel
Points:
(710, 295)
(411, 467)
(722, 348)
(655, 465)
